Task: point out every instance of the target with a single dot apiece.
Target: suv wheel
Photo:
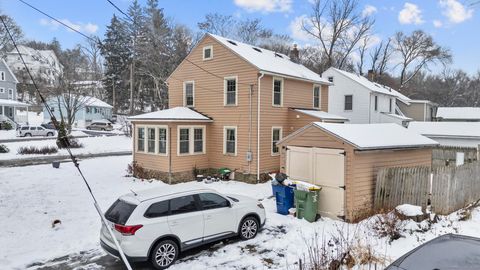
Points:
(28, 135)
(49, 134)
(164, 254)
(248, 228)
(103, 129)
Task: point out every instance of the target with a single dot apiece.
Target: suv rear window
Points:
(119, 212)
(24, 128)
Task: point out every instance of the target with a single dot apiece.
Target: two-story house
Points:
(230, 103)
(9, 105)
(361, 100)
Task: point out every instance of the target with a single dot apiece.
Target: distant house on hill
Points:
(8, 97)
(87, 109)
(43, 64)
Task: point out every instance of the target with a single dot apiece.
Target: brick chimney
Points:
(294, 54)
(371, 75)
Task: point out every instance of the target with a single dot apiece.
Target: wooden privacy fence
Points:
(447, 155)
(448, 188)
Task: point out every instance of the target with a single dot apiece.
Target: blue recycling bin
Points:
(284, 196)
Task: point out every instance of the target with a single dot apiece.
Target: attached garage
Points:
(344, 159)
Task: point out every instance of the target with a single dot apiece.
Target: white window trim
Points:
(191, 140)
(211, 52)
(319, 96)
(184, 93)
(225, 140)
(271, 140)
(225, 90)
(281, 91)
(145, 150)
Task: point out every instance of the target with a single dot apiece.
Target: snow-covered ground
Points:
(101, 144)
(32, 197)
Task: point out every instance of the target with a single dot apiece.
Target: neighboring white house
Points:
(361, 101)
(90, 109)
(42, 64)
(458, 114)
(465, 134)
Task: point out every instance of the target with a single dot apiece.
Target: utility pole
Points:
(113, 96)
(132, 66)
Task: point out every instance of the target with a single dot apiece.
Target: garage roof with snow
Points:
(446, 129)
(176, 114)
(270, 61)
(376, 136)
(459, 113)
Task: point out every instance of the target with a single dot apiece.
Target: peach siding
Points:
(209, 100)
(360, 167)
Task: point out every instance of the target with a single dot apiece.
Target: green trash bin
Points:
(307, 204)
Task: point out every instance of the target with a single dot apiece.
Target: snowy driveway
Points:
(32, 197)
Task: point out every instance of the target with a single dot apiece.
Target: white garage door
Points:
(322, 167)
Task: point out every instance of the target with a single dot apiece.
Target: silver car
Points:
(103, 126)
(29, 131)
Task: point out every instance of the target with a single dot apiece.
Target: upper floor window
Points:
(330, 79)
(376, 103)
(276, 136)
(189, 94)
(390, 105)
(230, 140)
(348, 103)
(230, 85)
(2, 90)
(277, 92)
(207, 52)
(316, 97)
(2, 75)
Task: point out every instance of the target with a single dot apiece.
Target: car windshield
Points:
(119, 212)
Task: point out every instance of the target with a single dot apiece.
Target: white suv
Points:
(158, 224)
(29, 131)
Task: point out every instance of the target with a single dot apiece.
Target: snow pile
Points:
(409, 210)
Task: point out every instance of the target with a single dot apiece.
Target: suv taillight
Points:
(127, 230)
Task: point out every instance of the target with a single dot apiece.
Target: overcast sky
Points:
(452, 23)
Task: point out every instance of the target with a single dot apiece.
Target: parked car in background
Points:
(113, 119)
(156, 225)
(29, 131)
(103, 126)
(48, 125)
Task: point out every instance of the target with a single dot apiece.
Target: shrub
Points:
(389, 225)
(4, 148)
(72, 143)
(139, 172)
(45, 150)
(6, 125)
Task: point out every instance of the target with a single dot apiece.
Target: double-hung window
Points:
(348, 102)
(184, 141)
(376, 103)
(230, 141)
(189, 94)
(277, 91)
(316, 97)
(276, 136)
(162, 140)
(191, 140)
(207, 52)
(230, 91)
(141, 139)
(151, 140)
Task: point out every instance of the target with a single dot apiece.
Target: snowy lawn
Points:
(32, 197)
(101, 144)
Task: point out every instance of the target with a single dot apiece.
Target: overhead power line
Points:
(121, 11)
(64, 141)
(59, 21)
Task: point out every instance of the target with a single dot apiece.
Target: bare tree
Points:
(417, 52)
(15, 30)
(218, 24)
(338, 25)
(362, 50)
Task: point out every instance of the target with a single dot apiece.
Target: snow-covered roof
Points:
(372, 86)
(467, 113)
(270, 61)
(172, 115)
(322, 115)
(401, 117)
(446, 129)
(95, 102)
(376, 136)
(11, 102)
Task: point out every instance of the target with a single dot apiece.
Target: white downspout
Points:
(258, 125)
